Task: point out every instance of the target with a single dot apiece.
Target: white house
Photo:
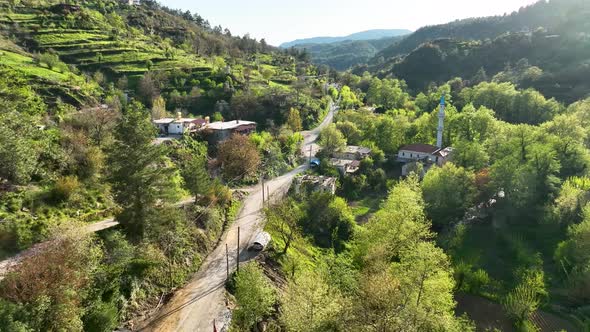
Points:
(219, 131)
(179, 125)
(425, 153)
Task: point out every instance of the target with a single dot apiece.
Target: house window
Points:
(411, 155)
(403, 154)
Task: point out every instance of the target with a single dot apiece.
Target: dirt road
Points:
(194, 307)
(10, 262)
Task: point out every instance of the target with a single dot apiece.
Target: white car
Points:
(260, 241)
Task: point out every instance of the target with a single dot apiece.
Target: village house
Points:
(179, 125)
(347, 160)
(352, 152)
(425, 153)
(315, 183)
(346, 166)
(217, 132)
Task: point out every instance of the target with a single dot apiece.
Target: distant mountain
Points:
(364, 35)
(346, 54)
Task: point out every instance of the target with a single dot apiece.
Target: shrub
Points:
(65, 188)
(102, 318)
(255, 296)
(51, 60)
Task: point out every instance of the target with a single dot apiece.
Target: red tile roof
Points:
(422, 148)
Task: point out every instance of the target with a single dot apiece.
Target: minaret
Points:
(441, 122)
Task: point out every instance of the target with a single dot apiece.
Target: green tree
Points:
(390, 133)
(267, 73)
(158, 108)
(399, 224)
(239, 157)
(19, 147)
(294, 120)
(331, 140)
(330, 220)
(309, 304)
(191, 158)
(448, 192)
(348, 99)
(573, 255)
(426, 285)
(351, 132)
(140, 174)
(283, 219)
(521, 302)
(470, 155)
(254, 295)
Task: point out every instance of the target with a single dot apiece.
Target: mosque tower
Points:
(441, 123)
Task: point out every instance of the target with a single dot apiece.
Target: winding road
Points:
(202, 300)
(194, 307)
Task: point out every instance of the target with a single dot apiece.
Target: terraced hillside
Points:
(126, 42)
(54, 82)
(86, 39)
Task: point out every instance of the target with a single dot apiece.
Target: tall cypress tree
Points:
(140, 172)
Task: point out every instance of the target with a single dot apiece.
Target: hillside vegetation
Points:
(545, 46)
(80, 85)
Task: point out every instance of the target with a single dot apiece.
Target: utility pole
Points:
(238, 252)
(310, 151)
(268, 194)
(227, 261)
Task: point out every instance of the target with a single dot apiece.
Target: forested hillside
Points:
(545, 46)
(498, 232)
(553, 15)
(80, 85)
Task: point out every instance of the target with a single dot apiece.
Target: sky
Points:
(280, 21)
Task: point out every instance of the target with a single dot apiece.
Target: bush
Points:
(65, 188)
(51, 60)
(255, 296)
(102, 318)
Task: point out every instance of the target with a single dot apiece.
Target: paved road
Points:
(194, 307)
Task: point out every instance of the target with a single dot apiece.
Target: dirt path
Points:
(10, 262)
(195, 306)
